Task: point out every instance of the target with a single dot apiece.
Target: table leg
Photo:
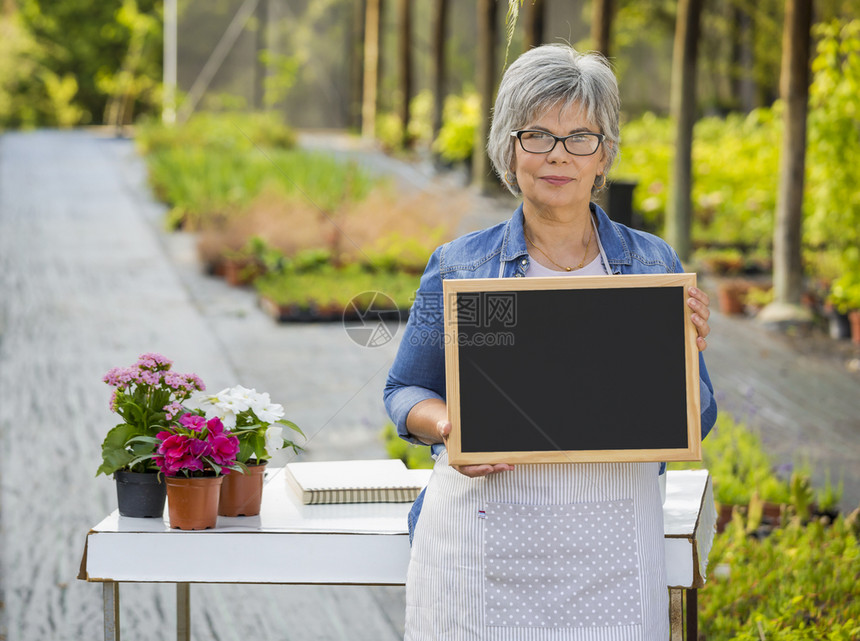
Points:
(676, 614)
(692, 597)
(110, 592)
(183, 612)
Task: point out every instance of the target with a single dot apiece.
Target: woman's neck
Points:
(560, 241)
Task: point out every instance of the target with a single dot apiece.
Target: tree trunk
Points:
(405, 65)
(371, 68)
(260, 67)
(743, 82)
(683, 109)
(439, 67)
(534, 24)
(601, 25)
(356, 75)
(485, 80)
(794, 90)
(170, 58)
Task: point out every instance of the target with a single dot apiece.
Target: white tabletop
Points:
(364, 543)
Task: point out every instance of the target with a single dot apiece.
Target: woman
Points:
(571, 551)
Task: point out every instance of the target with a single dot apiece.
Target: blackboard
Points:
(579, 369)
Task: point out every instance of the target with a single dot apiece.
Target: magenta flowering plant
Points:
(192, 446)
(148, 395)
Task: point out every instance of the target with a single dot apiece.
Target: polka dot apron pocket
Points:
(561, 565)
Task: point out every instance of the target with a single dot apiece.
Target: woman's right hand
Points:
(473, 471)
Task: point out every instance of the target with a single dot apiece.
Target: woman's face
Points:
(558, 181)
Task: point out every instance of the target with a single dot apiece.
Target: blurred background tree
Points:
(63, 60)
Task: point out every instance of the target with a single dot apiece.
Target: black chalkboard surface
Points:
(576, 369)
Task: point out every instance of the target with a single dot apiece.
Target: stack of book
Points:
(366, 481)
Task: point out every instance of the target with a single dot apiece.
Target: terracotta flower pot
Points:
(192, 503)
(140, 494)
(241, 494)
(854, 322)
(731, 294)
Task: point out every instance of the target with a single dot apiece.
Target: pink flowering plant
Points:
(147, 397)
(193, 446)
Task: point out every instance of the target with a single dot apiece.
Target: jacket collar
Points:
(616, 248)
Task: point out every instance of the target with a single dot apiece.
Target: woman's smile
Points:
(557, 180)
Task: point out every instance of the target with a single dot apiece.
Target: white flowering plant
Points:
(253, 418)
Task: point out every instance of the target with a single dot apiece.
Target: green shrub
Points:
(234, 132)
(832, 197)
(414, 456)
(31, 92)
(215, 165)
(735, 172)
(845, 292)
(797, 584)
(389, 126)
(736, 162)
(394, 251)
(389, 131)
(739, 465)
(327, 286)
(460, 118)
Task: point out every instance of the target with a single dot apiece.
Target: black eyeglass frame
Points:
(563, 139)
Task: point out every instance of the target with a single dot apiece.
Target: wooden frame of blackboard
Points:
(620, 376)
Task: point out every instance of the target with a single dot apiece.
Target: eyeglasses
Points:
(542, 142)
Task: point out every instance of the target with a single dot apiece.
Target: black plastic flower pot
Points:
(140, 494)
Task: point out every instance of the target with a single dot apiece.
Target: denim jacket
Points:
(418, 372)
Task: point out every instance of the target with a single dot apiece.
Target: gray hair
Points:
(539, 80)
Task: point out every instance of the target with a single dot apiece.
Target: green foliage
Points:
(834, 141)
(460, 117)
(727, 261)
(31, 93)
(122, 446)
(845, 291)
(88, 46)
(798, 584)
(328, 287)
(414, 456)
(735, 163)
(739, 465)
(136, 79)
(421, 117)
(389, 126)
(389, 131)
(232, 131)
(217, 163)
(394, 251)
(280, 78)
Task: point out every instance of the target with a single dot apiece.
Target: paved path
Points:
(88, 280)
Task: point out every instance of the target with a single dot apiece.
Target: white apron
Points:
(568, 552)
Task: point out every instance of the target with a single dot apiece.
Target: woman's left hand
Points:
(699, 302)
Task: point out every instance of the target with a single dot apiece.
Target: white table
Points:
(347, 544)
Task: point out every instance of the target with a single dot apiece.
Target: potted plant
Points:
(845, 297)
(258, 424)
(731, 295)
(148, 395)
(195, 454)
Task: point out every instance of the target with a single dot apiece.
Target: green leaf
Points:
(115, 454)
(259, 444)
(291, 425)
(141, 459)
